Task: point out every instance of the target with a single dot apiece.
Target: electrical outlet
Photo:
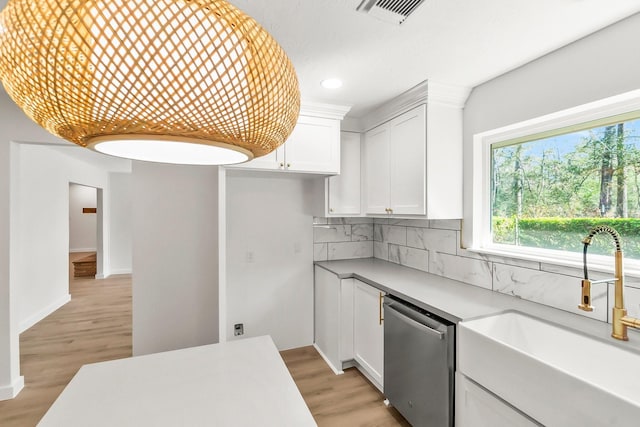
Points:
(238, 329)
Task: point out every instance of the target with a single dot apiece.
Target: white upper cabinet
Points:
(343, 191)
(407, 152)
(312, 147)
(395, 165)
(413, 161)
(376, 170)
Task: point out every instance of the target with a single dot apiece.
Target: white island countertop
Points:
(238, 383)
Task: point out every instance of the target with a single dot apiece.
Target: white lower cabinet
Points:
(477, 407)
(333, 318)
(368, 331)
(348, 324)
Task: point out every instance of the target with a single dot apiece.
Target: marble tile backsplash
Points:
(342, 238)
(434, 246)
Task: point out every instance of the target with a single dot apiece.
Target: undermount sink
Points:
(556, 376)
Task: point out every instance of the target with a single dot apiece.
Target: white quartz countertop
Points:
(238, 383)
(457, 301)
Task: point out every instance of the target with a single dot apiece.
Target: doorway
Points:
(85, 237)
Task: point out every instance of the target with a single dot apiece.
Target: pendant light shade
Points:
(191, 81)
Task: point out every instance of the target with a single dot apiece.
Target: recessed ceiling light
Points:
(331, 83)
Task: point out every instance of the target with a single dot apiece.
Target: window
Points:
(549, 192)
(540, 186)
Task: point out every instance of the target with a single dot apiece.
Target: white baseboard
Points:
(35, 318)
(11, 391)
(326, 359)
(366, 369)
(113, 273)
(120, 271)
(73, 251)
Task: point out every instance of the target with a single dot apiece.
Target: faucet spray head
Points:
(585, 305)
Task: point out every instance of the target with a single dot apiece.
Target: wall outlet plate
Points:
(238, 329)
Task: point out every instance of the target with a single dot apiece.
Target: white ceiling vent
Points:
(393, 11)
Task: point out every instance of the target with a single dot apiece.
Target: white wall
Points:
(120, 224)
(15, 126)
(600, 65)
(269, 284)
(82, 226)
(41, 229)
(34, 226)
(175, 256)
(10, 380)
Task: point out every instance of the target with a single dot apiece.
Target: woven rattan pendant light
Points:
(191, 81)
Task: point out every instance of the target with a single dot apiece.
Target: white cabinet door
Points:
(368, 331)
(376, 170)
(346, 319)
(412, 164)
(395, 165)
(333, 318)
(476, 407)
(314, 146)
(407, 158)
(343, 191)
(271, 161)
(327, 316)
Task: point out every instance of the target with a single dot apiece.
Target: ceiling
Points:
(462, 42)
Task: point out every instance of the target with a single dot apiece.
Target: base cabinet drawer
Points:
(477, 407)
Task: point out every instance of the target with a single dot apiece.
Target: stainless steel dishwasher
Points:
(419, 355)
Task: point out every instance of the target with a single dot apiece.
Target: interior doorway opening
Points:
(85, 236)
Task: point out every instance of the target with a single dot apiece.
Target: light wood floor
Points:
(96, 326)
(93, 327)
(338, 400)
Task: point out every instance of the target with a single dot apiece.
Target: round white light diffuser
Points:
(150, 76)
(331, 83)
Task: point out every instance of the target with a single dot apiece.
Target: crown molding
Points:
(427, 92)
(328, 111)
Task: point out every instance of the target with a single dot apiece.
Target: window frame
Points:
(615, 108)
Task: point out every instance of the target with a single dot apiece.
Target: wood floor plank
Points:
(95, 326)
(338, 400)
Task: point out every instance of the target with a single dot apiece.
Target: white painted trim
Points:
(608, 107)
(427, 92)
(76, 250)
(481, 199)
(364, 371)
(327, 111)
(35, 318)
(116, 272)
(11, 391)
(222, 255)
(326, 359)
(448, 94)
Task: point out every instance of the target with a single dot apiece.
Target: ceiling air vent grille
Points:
(393, 11)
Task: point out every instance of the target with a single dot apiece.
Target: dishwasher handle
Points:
(414, 323)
